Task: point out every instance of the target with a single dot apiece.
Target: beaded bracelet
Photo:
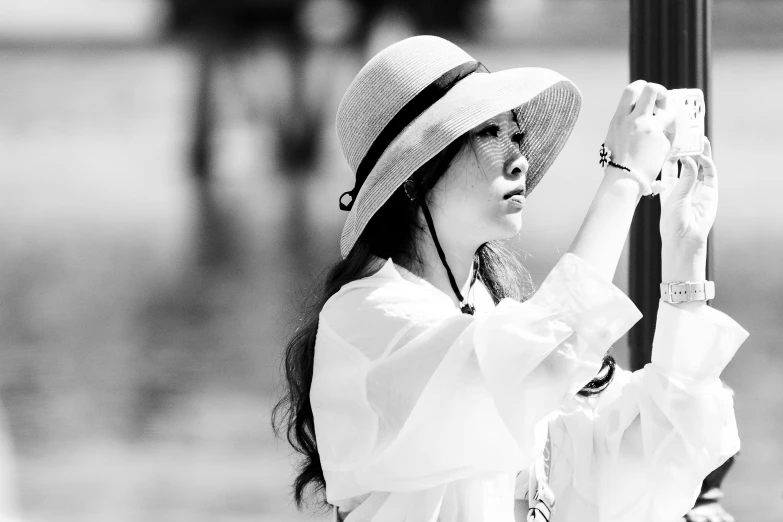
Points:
(648, 189)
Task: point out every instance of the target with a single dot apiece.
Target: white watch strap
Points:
(687, 291)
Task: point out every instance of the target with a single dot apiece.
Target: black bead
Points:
(468, 309)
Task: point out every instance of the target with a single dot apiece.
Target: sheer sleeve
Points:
(408, 394)
(659, 431)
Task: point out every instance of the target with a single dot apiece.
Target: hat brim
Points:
(549, 105)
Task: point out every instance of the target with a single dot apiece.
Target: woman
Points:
(427, 385)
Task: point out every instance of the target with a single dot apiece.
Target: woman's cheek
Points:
(489, 223)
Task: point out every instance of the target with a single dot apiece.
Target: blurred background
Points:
(169, 175)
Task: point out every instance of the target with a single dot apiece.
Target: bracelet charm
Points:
(649, 190)
(604, 155)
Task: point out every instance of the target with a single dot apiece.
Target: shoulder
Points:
(387, 293)
(369, 312)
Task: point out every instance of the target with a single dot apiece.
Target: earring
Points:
(411, 190)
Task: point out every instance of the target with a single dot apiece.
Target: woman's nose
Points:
(517, 165)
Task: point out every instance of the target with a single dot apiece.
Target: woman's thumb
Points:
(688, 177)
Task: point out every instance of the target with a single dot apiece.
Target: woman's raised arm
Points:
(637, 140)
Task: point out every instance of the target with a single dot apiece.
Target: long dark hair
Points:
(391, 233)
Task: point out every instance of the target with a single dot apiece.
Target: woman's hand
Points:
(688, 209)
(637, 140)
(636, 135)
(689, 204)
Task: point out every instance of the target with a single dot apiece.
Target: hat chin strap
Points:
(466, 308)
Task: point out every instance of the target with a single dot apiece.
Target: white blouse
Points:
(423, 413)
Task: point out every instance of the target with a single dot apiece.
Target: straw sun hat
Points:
(418, 95)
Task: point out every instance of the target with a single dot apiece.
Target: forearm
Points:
(602, 235)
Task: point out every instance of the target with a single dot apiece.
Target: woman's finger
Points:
(669, 178)
(666, 118)
(669, 170)
(650, 94)
(630, 94)
(688, 177)
(707, 147)
(710, 172)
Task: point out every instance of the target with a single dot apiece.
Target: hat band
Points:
(409, 112)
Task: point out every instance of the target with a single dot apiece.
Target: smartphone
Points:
(688, 126)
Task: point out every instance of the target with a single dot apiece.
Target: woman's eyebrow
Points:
(488, 123)
(516, 116)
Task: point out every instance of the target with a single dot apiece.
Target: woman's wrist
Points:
(618, 181)
(624, 173)
(676, 266)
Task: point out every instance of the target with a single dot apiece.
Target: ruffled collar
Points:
(480, 295)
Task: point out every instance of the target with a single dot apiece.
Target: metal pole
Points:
(670, 44)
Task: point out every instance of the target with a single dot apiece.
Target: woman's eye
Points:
(491, 130)
(518, 137)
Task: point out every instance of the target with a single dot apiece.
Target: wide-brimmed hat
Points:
(418, 95)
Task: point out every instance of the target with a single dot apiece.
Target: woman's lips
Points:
(517, 199)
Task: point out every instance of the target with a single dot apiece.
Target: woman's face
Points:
(481, 195)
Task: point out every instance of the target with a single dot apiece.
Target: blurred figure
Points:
(223, 29)
(8, 503)
(221, 32)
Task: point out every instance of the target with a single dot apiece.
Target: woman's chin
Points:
(510, 226)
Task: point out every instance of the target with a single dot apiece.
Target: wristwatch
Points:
(687, 291)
